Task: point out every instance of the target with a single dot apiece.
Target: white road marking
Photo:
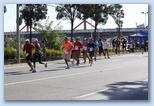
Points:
(41, 79)
(89, 94)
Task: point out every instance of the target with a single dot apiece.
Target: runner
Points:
(77, 47)
(91, 50)
(37, 54)
(105, 46)
(28, 47)
(85, 50)
(67, 48)
(72, 41)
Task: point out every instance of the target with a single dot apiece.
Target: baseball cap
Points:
(27, 40)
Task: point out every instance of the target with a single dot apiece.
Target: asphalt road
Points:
(123, 77)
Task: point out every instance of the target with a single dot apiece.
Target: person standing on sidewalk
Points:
(124, 44)
(67, 48)
(37, 54)
(100, 46)
(77, 47)
(28, 47)
(44, 49)
(105, 47)
(117, 46)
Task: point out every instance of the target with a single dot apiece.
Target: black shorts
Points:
(91, 54)
(28, 57)
(105, 49)
(123, 46)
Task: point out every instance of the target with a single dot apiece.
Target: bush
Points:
(53, 53)
(10, 53)
(22, 53)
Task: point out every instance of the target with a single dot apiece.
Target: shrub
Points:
(10, 53)
(53, 53)
(22, 53)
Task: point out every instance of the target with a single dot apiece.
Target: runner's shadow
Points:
(51, 70)
(16, 73)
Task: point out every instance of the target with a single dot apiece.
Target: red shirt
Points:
(77, 46)
(28, 48)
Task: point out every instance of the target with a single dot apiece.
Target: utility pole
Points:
(145, 17)
(18, 36)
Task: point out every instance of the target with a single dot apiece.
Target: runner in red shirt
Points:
(28, 47)
(77, 46)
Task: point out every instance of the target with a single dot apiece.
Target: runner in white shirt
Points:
(105, 47)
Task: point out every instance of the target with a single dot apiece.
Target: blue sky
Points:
(132, 16)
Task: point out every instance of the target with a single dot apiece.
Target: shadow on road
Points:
(16, 73)
(127, 91)
(51, 70)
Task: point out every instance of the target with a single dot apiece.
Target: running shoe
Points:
(91, 64)
(67, 67)
(33, 71)
(45, 65)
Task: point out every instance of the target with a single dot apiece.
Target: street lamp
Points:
(145, 16)
(18, 35)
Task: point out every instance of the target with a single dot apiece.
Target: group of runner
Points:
(72, 50)
(28, 48)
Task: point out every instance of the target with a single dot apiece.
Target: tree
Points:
(53, 35)
(85, 10)
(68, 12)
(5, 9)
(31, 13)
(99, 14)
(117, 13)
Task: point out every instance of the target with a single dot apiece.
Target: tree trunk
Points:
(119, 31)
(95, 31)
(31, 10)
(72, 29)
(30, 30)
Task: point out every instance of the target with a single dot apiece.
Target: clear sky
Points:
(132, 16)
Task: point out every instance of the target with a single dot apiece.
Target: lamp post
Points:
(18, 35)
(145, 16)
(91, 28)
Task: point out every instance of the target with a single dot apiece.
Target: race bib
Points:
(76, 48)
(65, 51)
(27, 54)
(84, 47)
(91, 49)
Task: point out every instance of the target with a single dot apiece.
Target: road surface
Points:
(123, 77)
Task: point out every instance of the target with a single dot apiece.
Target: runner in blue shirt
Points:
(91, 50)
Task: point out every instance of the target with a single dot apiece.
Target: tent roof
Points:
(138, 34)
